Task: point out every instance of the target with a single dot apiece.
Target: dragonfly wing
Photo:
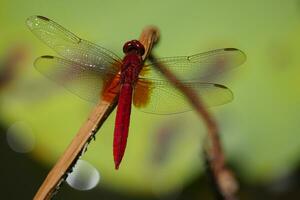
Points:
(79, 79)
(202, 67)
(70, 46)
(161, 97)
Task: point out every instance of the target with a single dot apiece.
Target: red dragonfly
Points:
(93, 73)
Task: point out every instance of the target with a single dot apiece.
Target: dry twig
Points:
(87, 132)
(224, 179)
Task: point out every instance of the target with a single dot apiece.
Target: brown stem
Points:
(225, 180)
(148, 38)
(87, 132)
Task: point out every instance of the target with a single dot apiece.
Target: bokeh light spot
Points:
(20, 137)
(84, 176)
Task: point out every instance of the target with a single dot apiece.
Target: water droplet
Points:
(20, 137)
(84, 176)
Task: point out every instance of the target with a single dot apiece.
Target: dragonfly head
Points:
(134, 45)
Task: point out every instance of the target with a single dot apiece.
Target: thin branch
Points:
(224, 178)
(87, 132)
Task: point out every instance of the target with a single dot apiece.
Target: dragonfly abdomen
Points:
(122, 122)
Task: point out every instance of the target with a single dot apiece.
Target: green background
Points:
(259, 129)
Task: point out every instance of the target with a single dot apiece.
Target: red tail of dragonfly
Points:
(93, 73)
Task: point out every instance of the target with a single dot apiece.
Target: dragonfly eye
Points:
(134, 45)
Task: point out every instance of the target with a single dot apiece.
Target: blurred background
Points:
(259, 129)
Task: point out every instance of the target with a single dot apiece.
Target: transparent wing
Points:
(161, 97)
(69, 45)
(199, 67)
(81, 80)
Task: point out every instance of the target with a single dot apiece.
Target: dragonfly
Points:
(95, 73)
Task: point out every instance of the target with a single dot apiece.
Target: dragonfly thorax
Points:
(131, 67)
